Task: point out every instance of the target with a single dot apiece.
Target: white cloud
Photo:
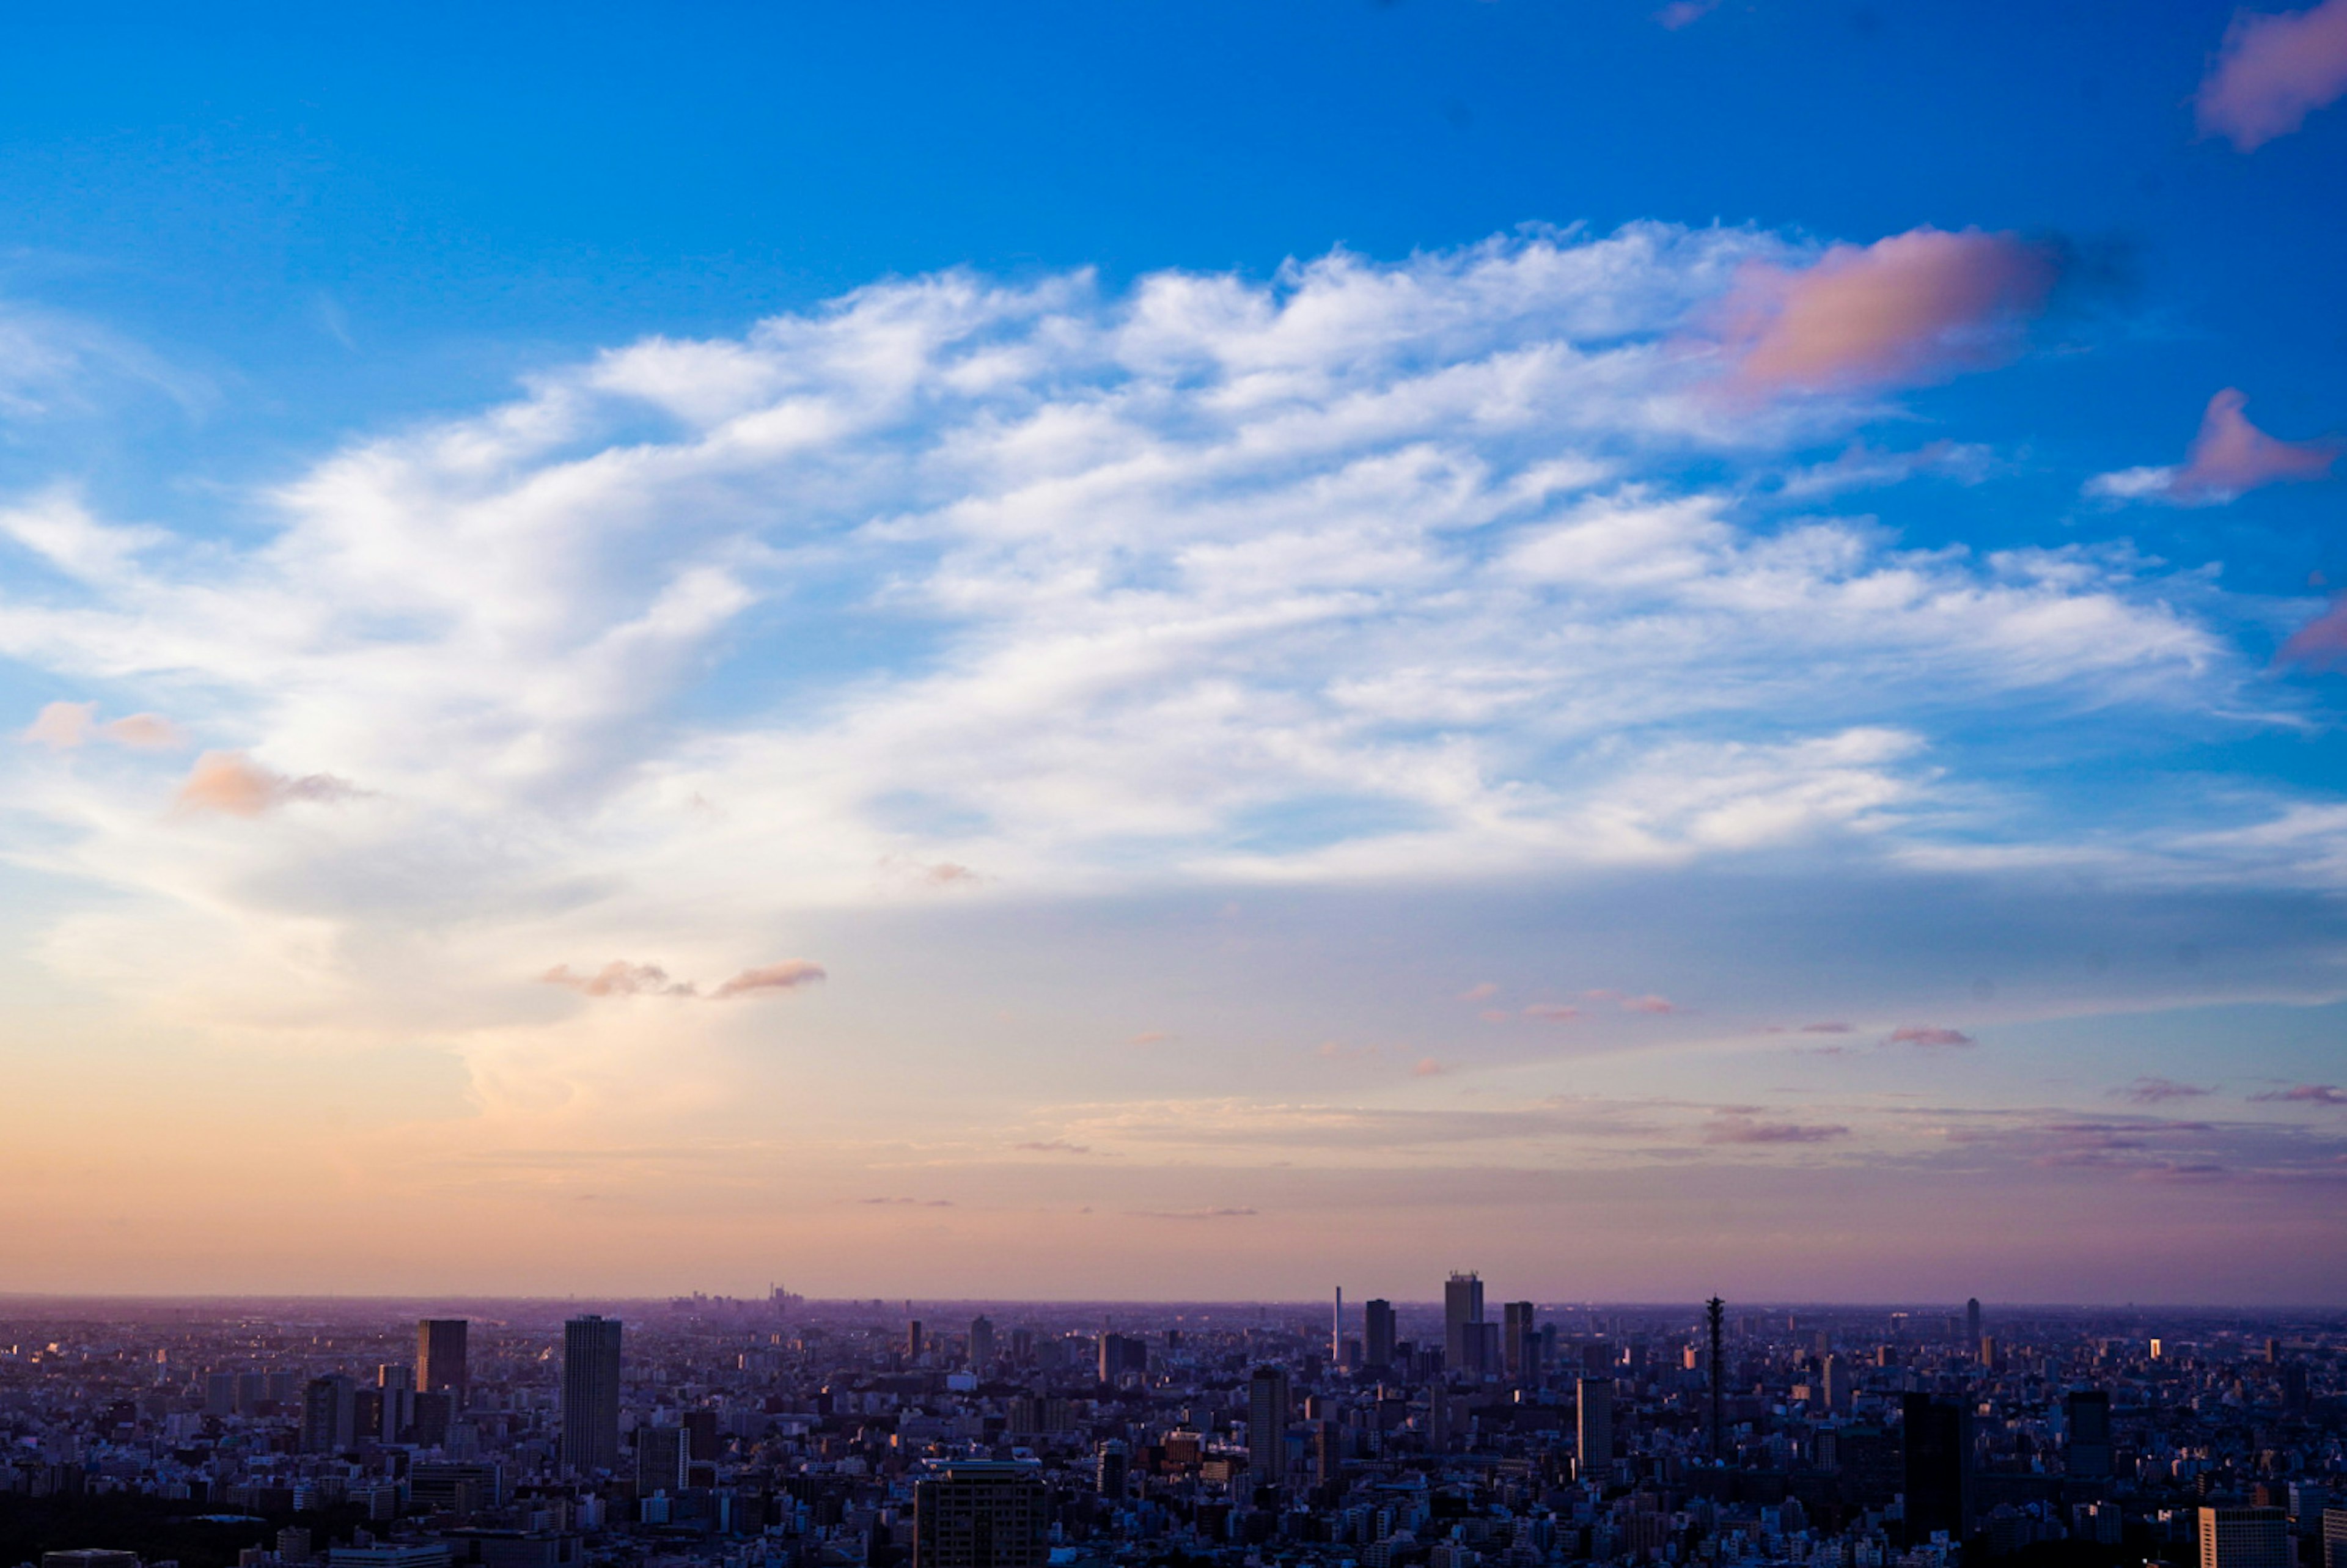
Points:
(1368, 570)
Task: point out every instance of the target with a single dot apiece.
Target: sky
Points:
(1176, 651)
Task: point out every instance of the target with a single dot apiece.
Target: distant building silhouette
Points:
(981, 1343)
(2087, 1413)
(1268, 1404)
(1378, 1332)
(1594, 1427)
(1518, 1340)
(590, 1394)
(441, 1365)
(1462, 1307)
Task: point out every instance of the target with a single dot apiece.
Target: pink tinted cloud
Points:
(1830, 1027)
(766, 980)
(1653, 1004)
(2272, 72)
(1745, 1130)
(1478, 992)
(64, 726)
(1681, 13)
(1056, 1146)
(1495, 1015)
(1908, 310)
(2321, 643)
(619, 978)
(1428, 1068)
(1932, 1037)
(233, 785)
(2152, 1091)
(2306, 1095)
(1556, 1012)
(2229, 458)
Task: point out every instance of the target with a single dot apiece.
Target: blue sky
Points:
(730, 614)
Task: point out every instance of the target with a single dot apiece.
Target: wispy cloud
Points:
(67, 726)
(231, 784)
(2305, 1095)
(1930, 1038)
(2274, 70)
(2229, 458)
(623, 979)
(1747, 1130)
(2154, 1091)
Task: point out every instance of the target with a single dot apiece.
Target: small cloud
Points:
(1831, 1027)
(2228, 458)
(948, 873)
(911, 1202)
(1745, 1130)
(1648, 1004)
(1908, 310)
(2272, 72)
(1931, 1038)
(2149, 1090)
(1055, 1146)
(148, 732)
(2305, 1095)
(1554, 1012)
(2321, 643)
(1213, 1214)
(1150, 1037)
(2180, 1173)
(619, 978)
(788, 975)
(63, 726)
(1495, 1015)
(1428, 1068)
(1681, 13)
(1478, 992)
(235, 784)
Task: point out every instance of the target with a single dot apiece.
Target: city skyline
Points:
(1166, 650)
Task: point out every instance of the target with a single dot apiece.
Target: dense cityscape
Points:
(780, 1432)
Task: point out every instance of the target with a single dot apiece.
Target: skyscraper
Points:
(1837, 1381)
(1518, 1340)
(1267, 1410)
(1120, 1354)
(329, 1415)
(590, 1394)
(1594, 1426)
(1937, 1443)
(2335, 1538)
(913, 1341)
(661, 1454)
(2087, 1413)
(981, 1343)
(2245, 1538)
(440, 1364)
(1715, 1317)
(1378, 1332)
(1462, 1304)
(1972, 1323)
(981, 1514)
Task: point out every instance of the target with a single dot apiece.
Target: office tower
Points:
(2295, 1403)
(1990, 1356)
(1971, 1322)
(1518, 1340)
(1337, 1331)
(972, 1514)
(1110, 1465)
(1462, 1304)
(219, 1393)
(252, 1389)
(701, 1442)
(1378, 1332)
(590, 1394)
(913, 1341)
(1267, 1407)
(2245, 1538)
(2159, 1350)
(661, 1453)
(2335, 1538)
(434, 1412)
(1120, 1354)
(981, 1344)
(329, 1415)
(1837, 1380)
(1593, 1428)
(440, 1366)
(1937, 1442)
(397, 1385)
(1714, 1319)
(2273, 1351)
(2087, 1414)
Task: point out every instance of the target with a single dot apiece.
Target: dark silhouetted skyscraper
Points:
(440, 1358)
(1462, 1304)
(1937, 1443)
(2088, 1416)
(661, 1457)
(1267, 1411)
(590, 1394)
(1714, 1317)
(1594, 1426)
(1518, 1340)
(1973, 1325)
(1378, 1332)
(981, 1343)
